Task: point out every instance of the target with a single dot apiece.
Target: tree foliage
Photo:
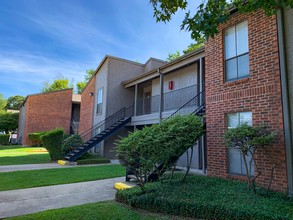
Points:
(8, 122)
(211, 13)
(191, 47)
(87, 77)
(14, 102)
(173, 56)
(248, 140)
(153, 148)
(58, 84)
(2, 104)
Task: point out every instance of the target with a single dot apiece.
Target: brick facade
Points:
(47, 111)
(87, 106)
(259, 94)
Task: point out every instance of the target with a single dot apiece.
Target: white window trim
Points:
(237, 56)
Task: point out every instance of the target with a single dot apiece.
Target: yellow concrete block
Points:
(62, 162)
(121, 186)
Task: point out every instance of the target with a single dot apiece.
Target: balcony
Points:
(148, 108)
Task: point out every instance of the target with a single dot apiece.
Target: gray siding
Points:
(21, 124)
(153, 64)
(117, 96)
(101, 82)
(182, 78)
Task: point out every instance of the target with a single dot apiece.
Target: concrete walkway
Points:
(26, 201)
(11, 168)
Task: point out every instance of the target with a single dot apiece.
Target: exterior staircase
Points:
(107, 128)
(197, 101)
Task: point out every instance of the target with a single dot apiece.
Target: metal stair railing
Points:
(197, 99)
(105, 124)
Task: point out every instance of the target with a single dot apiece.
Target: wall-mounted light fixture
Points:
(91, 94)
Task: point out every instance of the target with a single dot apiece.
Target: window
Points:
(100, 101)
(236, 163)
(236, 52)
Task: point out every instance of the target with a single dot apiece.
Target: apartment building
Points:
(46, 111)
(243, 74)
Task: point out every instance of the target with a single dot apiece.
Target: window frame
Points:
(237, 56)
(243, 171)
(99, 109)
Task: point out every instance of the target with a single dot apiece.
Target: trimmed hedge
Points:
(71, 143)
(93, 161)
(90, 158)
(52, 141)
(4, 139)
(208, 198)
(35, 138)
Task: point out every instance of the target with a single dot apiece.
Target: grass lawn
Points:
(208, 198)
(100, 210)
(16, 155)
(47, 177)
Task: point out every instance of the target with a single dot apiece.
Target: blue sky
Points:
(40, 40)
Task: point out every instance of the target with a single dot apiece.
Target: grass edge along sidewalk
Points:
(49, 177)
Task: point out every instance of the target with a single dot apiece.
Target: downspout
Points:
(285, 101)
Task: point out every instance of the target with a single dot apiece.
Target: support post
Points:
(161, 106)
(135, 100)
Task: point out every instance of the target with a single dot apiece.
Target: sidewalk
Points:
(11, 168)
(26, 201)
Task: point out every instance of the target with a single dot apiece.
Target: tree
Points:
(153, 149)
(14, 102)
(87, 77)
(211, 13)
(8, 122)
(58, 84)
(248, 140)
(173, 56)
(2, 104)
(191, 47)
(80, 86)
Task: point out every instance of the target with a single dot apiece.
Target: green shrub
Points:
(71, 143)
(93, 161)
(208, 198)
(4, 139)
(143, 150)
(35, 138)
(52, 141)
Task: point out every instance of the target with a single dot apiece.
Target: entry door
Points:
(147, 102)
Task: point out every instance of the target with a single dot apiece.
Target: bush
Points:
(35, 138)
(71, 143)
(93, 161)
(52, 141)
(4, 139)
(208, 198)
(143, 150)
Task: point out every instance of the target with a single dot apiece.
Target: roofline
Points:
(37, 94)
(178, 60)
(155, 59)
(104, 60)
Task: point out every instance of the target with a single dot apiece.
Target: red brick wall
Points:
(260, 94)
(48, 111)
(87, 106)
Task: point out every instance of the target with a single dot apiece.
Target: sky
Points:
(41, 40)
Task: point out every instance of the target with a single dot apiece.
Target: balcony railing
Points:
(171, 101)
